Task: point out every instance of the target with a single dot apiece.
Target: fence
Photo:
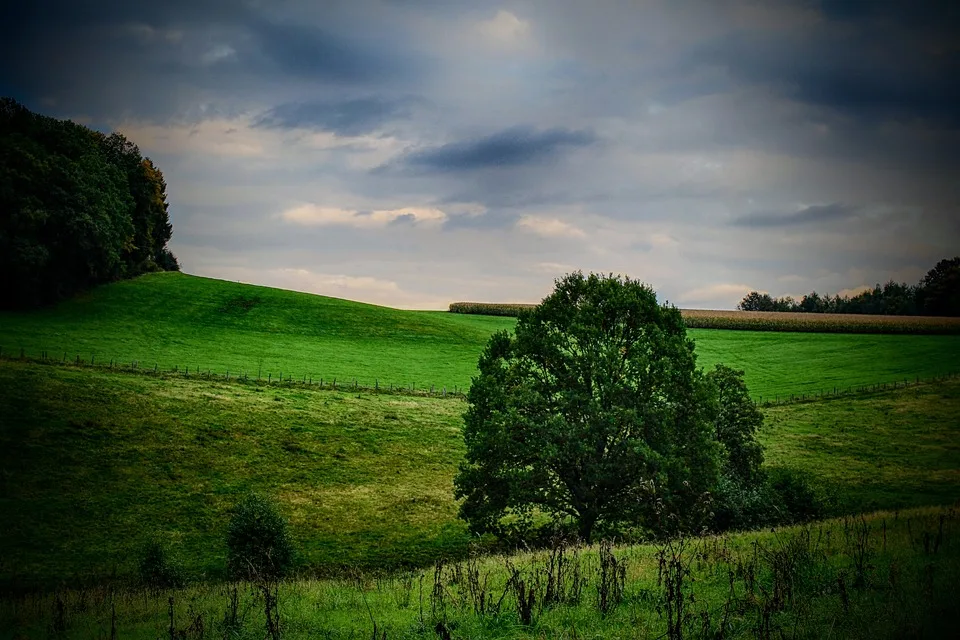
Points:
(862, 389)
(455, 391)
(242, 377)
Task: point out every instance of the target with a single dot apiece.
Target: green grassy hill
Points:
(172, 319)
(94, 462)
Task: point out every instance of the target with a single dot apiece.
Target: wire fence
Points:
(852, 390)
(282, 380)
(278, 380)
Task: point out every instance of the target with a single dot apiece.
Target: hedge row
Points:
(490, 308)
(769, 320)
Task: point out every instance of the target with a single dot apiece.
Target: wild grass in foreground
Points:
(885, 575)
(173, 320)
(94, 464)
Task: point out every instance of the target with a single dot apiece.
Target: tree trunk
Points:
(585, 525)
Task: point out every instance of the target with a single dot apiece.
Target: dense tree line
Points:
(77, 208)
(937, 294)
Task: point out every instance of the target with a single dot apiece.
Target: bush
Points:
(738, 507)
(159, 568)
(780, 497)
(258, 543)
(797, 496)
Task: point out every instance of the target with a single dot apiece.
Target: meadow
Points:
(147, 408)
(169, 320)
(882, 575)
(96, 462)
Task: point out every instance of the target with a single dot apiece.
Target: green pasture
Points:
(885, 575)
(172, 320)
(93, 463)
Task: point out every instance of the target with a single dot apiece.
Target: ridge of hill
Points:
(175, 320)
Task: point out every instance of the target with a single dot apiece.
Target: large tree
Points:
(594, 410)
(77, 208)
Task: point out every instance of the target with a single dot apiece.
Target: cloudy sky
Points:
(416, 152)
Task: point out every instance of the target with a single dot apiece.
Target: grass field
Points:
(887, 575)
(172, 319)
(93, 462)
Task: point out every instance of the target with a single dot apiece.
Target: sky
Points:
(412, 153)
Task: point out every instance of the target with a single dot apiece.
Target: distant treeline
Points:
(937, 294)
(77, 208)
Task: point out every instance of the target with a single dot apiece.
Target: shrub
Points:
(159, 568)
(737, 506)
(258, 543)
(797, 496)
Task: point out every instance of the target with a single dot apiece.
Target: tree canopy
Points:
(937, 294)
(77, 208)
(595, 411)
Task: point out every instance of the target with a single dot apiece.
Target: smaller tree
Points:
(258, 543)
(159, 568)
(736, 424)
(940, 289)
(756, 301)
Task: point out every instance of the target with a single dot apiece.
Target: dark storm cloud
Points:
(511, 147)
(348, 117)
(702, 112)
(158, 60)
(39, 15)
(815, 215)
(868, 60)
(927, 14)
(319, 54)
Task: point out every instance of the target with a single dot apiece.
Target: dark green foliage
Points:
(159, 568)
(595, 411)
(739, 506)
(796, 495)
(736, 423)
(77, 208)
(937, 294)
(258, 543)
(490, 308)
(756, 301)
(940, 289)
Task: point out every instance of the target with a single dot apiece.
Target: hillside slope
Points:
(93, 462)
(176, 320)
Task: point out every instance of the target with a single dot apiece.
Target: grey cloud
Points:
(638, 122)
(320, 54)
(847, 71)
(516, 146)
(817, 214)
(349, 117)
